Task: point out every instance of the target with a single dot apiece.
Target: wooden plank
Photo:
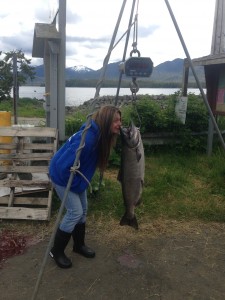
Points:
(208, 60)
(50, 202)
(25, 183)
(55, 145)
(24, 213)
(29, 132)
(37, 146)
(39, 201)
(27, 156)
(23, 169)
(30, 146)
(159, 141)
(12, 190)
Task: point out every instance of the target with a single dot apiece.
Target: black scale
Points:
(138, 66)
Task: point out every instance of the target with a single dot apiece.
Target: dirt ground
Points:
(164, 259)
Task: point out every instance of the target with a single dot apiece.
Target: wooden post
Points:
(61, 69)
(47, 85)
(185, 78)
(15, 87)
(217, 47)
(218, 37)
(50, 43)
(54, 97)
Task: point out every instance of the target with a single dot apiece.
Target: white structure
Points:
(218, 38)
(214, 67)
(49, 44)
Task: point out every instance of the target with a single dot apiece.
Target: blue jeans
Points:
(76, 208)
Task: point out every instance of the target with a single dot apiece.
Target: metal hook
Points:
(134, 88)
(135, 51)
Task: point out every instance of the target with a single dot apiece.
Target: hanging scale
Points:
(136, 66)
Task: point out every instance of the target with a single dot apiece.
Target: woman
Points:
(99, 140)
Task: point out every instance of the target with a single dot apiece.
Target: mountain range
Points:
(164, 73)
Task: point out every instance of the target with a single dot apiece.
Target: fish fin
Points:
(138, 154)
(134, 223)
(124, 221)
(130, 222)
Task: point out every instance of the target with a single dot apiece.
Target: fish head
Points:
(130, 135)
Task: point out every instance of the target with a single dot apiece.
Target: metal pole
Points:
(125, 51)
(106, 60)
(195, 75)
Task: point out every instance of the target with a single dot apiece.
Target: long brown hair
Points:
(104, 118)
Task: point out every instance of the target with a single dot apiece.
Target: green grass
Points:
(178, 186)
(26, 107)
(186, 187)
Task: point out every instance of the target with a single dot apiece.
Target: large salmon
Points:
(131, 174)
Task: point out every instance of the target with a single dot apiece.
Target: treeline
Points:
(126, 83)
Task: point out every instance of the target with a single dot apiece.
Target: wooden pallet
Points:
(25, 187)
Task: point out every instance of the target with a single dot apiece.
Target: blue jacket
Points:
(64, 158)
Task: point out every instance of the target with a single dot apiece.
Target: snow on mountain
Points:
(80, 69)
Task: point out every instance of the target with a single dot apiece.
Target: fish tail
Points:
(130, 222)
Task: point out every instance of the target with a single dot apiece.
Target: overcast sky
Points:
(91, 23)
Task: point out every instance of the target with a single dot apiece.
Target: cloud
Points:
(90, 25)
(86, 40)
(147, 31)
(72, 18)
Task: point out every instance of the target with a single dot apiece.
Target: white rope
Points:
(74, 170)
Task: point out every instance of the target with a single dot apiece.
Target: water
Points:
(78, 95)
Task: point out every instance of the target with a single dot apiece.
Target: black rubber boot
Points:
(57, 252)
(79, 246)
